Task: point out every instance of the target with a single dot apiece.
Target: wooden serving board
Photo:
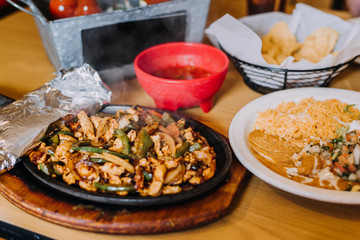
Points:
(19, 187)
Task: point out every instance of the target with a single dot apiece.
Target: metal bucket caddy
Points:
(112, 39)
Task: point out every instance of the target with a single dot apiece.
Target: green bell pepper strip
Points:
(55, 170)
(195, 146)
(82, 143)
(51, 152)
(64, 133)
(166, 120)
(115, 188)
(98, 150)
(148, 176)
(130, 126)
(182, 149)
(44, 168)
(124, 139)
(48, 169)
(55, 140)
(156, 118)
(144, 143)
(98, 160)
(181, 124)
(121, 114)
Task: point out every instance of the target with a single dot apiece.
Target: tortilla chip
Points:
(279, 43)
(318, 45)
(281, 32)
(307, 52)
(325, 40)
(269, 59)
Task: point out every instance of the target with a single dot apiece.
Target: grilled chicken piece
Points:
(86, 125)
(158, 180)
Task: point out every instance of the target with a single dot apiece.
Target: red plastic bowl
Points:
(172, 94)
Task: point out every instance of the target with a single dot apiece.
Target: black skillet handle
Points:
(11, 232)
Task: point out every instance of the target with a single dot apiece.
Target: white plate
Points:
(243, 122)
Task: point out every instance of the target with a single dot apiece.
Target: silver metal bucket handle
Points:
(23, 9)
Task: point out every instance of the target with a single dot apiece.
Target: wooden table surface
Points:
(260, 212)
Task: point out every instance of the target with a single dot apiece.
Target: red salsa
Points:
(181, 72)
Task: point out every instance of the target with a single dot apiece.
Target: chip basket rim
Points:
(238, 64)
(286, 69)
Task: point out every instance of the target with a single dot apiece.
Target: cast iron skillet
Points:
(223, 162)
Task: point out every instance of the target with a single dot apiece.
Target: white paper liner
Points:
(242, 38)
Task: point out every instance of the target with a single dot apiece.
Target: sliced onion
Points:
(117, 160)
(169, 141)
(175, 174)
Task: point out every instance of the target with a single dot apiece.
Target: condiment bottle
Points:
(86, 7)
(62, 8)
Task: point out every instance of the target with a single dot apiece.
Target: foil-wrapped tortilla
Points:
(24, 122)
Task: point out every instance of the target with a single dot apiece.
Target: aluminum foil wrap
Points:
(24, 122)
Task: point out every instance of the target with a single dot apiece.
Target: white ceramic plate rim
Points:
(243, 122)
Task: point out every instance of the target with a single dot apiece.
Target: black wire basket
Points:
(267, 79)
